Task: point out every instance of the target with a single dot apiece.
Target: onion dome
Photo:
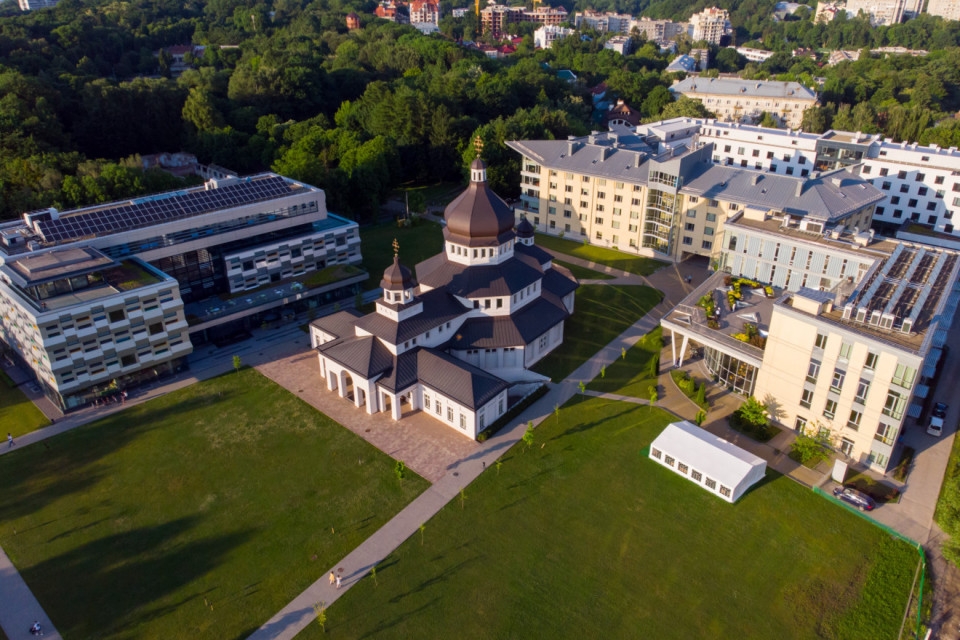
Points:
(397, 277)
(478, 217)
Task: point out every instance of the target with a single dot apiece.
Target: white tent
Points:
(715, 464)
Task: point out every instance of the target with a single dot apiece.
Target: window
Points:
(884, 171)
(690, 226)
(117, 315)
(904, 188)
(669, 460)
(876, 458)
(813, 371)
(845, 349)
(862, 388)
(439, 408)
(711, 217)
(696, 475)
(886, 185)
(724, 491)
(806, 399)
(656, 453)
(449, 414)
(854, 421)
(938, 180)
(711, 483)
(830, 409)
(904, 376)
(682, 468)
(706, 244)
(901, 175)
(463, 421)
(687, 241)
(821, 341)
(426, 402)
(846, 446)
(800, 425)
(838, 377)
(885, 433)
(894, 405)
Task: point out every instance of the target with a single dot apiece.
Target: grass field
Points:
(585, 537)
(630, 376)
(600, 255)
(17, 414)
(417, 243)
(199, 514)
(601, 313)
(582, 273)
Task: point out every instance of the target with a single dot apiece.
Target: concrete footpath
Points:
(20, 608)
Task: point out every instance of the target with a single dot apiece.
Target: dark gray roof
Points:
(365, 356)
(691, 86)
(438, 307)
(503, 279)
(462, 382)
(339, 324)
(827, 196)
(559, 281)
(532, 250)
(403, 374)
(517, 330)
(627, 162)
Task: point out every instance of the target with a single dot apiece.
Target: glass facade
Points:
(658, 224)
(734, 374)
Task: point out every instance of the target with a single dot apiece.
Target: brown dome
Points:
(525, 229)
(397, 277)
(478, 216)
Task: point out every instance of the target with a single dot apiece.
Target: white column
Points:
(673, 346)
(331, 380)
(372, 399)
(343, 384)
(395, 406)
(683, 348)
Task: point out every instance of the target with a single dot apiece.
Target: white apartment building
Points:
(620, 44)
(754, 55)
(122, 291)
(547, 34)
(711, 25)
(884, 12)
(659, 31)
(946, 9)
(849, 338)
(603, 22)
(920, 184)
(653, 194)
(424, 12)
(733, 99)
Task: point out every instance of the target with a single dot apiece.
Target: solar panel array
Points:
(157, 209)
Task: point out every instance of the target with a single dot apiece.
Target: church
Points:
(457, 339)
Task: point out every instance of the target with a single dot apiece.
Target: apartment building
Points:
(654, 194)
(545, 36)
(496, 19)
(603, 22)
(920, 183)
(884, 12)
(32, 5)
(946, 9)
(659, 31)
(710, 25)
(733, 99)
(846, 340)
(424, 12)
(119, 293)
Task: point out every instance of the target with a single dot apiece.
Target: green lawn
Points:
(585, 537)
(17, 414)
(582, 273)
(630, 376)
(601, 313)
(616, 259)
(417, 243)
(199, 514)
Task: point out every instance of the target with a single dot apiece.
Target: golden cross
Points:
(478, 145)
(396, 248)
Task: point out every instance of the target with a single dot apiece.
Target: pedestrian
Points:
(333, 578)
(484, 463)
(10, 441)
(338, 582)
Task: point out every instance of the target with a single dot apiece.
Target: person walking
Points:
(10, 441)
(333, 578)
(338, 582)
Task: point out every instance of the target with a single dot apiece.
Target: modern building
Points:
(919, 183)
(496, 19)
(845, 340)
(659, 31)
(688, 63)
(718, 466)
(884, 12)
(545, 35)
(755, 55)
(946, 9)
(458, 339)
(710, 25)
(119, 293)
(424, 12)
(621, 44)
(603, 22)
(734, 99)
(653, 192)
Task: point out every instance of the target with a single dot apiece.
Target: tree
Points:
(400, 470)
(753, 411)
(685, 107)
(499, 464)
(528, 435)
(769, 121)
(701, 397)
(701, 416)
(320, 608)
(373, 574)
(603, 371)
(655, 101)
(463, 497)
(623, 353)
(422, 528)
(654, 395)
(236, 363)
(556, 411)
(582, 386)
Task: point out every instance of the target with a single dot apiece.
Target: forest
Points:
(86, 88)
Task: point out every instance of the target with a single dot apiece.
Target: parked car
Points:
(857, 498)
(935, 428)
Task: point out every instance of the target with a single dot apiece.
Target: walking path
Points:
(20, 609)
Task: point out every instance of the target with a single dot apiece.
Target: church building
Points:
(458, 339)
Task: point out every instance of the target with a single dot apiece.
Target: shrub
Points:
(516, 410)
(903, 467)
(751, 419)
(807, 451)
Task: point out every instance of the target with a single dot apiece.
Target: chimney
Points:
(799, 190)
(605, 153)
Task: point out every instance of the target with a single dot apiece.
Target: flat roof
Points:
(751, 88)
(54, 265)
